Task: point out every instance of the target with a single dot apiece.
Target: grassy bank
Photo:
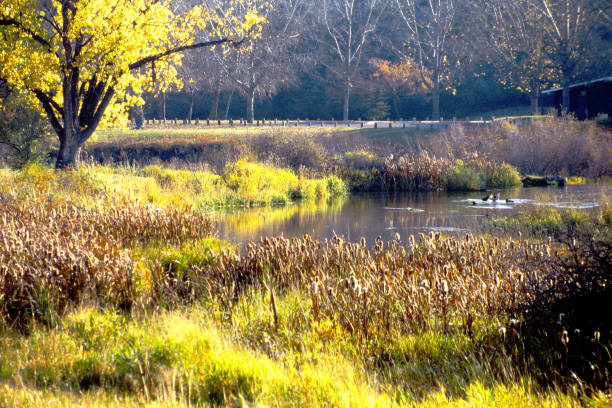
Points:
(380, 159)
(106, 300)
(241, 183)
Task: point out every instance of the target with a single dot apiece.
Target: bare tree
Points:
(348, 25)
(567, 24)
(200, 71)
(514, 33)
(430, 26)
(272, 58)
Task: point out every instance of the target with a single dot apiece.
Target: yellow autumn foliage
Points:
(42, 41)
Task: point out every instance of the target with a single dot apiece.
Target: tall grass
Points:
(544, 147)
(431, 283)
(55, 255)
(364, 171)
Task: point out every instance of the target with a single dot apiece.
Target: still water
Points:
(385, 215)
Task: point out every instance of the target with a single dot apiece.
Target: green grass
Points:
(524, 110)
(202, 132)
(243, 183)
(191, 356)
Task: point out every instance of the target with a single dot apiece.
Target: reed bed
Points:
(423, 171)
(431, 282)
(54, 254)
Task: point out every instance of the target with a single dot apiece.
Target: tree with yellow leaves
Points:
(77, 59)
(402, 78)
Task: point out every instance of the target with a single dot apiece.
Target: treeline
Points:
(379, 59)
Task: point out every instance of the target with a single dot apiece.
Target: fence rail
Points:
(370, 124)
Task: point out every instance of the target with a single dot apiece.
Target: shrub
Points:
(549, 146)
(362, 171)
(289, 150)
(24, 131)
(463, 178)
(257, 183)
(566, 326)
(505, 176)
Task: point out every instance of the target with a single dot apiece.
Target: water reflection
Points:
(385, 215)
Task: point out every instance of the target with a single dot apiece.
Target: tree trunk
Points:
(139, 117)
(535, 104)
(163, 107)
(435, 96)
(347, 95)
(227, 106)
(565, 104)
(215, 103)
(69, 155)
(190, 112)
(395, 108)
(251, 105)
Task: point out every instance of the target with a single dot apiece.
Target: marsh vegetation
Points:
(116, 290)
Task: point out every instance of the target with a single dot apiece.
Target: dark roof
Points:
(604, 79)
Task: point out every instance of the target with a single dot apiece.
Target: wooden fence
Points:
(371, 124)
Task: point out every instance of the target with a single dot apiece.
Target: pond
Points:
(385, 215)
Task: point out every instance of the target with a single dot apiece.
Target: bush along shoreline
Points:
(364, 172)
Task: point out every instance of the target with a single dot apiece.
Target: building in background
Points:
(587, 99)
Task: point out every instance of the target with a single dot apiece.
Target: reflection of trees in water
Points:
(291, 220)
(374, 215)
